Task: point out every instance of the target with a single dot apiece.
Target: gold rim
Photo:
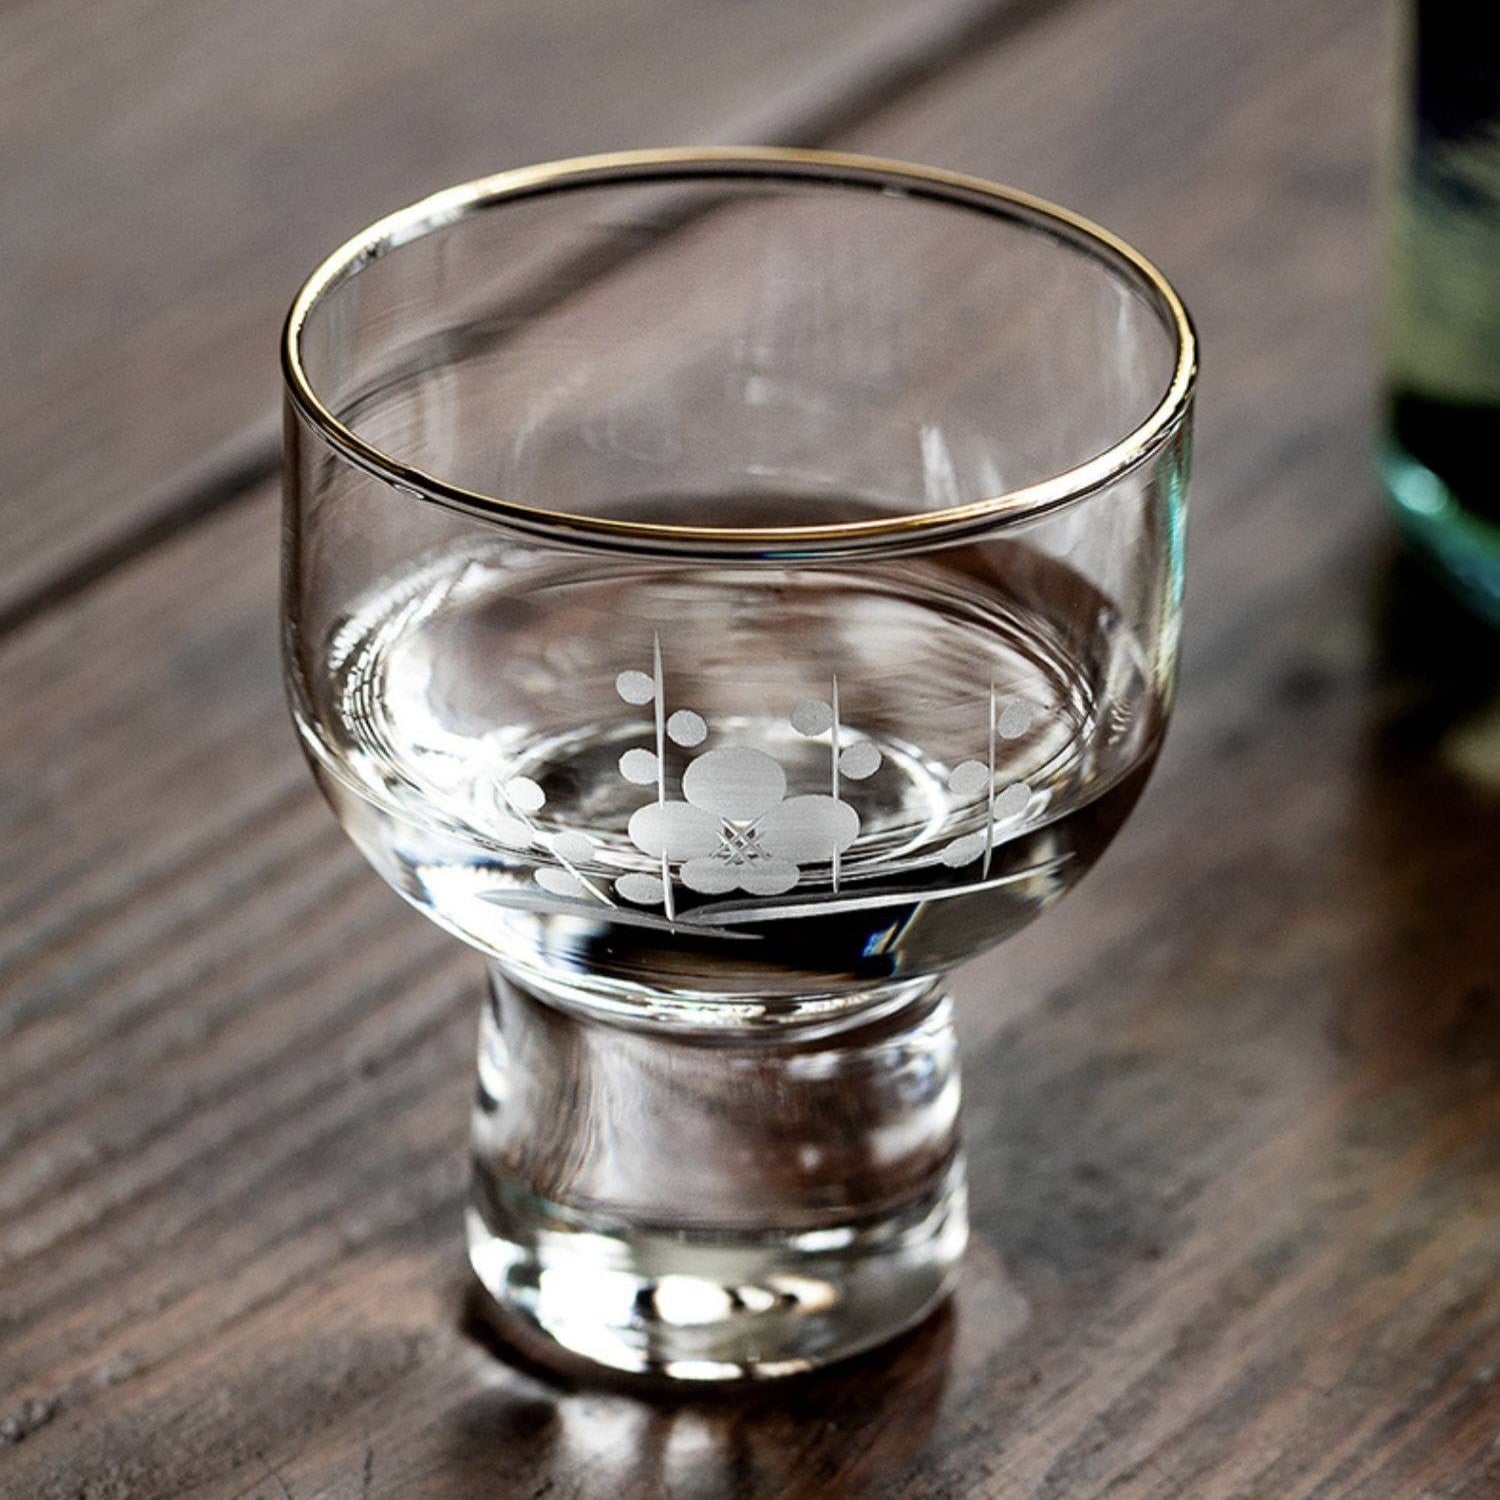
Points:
(456, 203)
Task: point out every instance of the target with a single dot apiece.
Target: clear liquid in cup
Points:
(740, 786)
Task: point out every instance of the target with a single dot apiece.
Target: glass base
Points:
(718, 1205)
(723, 1308)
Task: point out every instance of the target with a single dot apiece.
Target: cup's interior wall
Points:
(733, 351)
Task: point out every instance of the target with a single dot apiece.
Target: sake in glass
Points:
(728, 589)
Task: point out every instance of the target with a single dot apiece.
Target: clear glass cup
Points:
(728, 589)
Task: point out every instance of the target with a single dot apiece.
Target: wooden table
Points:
(1233, 1108)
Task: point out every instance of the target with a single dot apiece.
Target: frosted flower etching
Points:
(734, 828)
(737, 830)
(738, 827)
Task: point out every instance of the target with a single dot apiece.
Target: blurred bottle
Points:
(1441, 450)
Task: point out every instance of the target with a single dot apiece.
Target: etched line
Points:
(582, 879)
(835, 773)
(659, 699)
(989, 810)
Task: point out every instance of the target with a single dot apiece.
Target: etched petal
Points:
(709, 877)
(644, 890)
(736, 782)
(768, 877)
(673, 829)
(804, 829)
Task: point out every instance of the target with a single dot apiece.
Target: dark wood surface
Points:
(171, 169)
(1233, 1108)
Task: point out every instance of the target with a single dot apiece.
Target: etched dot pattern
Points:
(687, 728)
(812, 718)
(964, 851)
(860, 760)
(1012, 802)
(639, 766)
(635, 687)
(524, 794)
(969, 779)
(1015, 720)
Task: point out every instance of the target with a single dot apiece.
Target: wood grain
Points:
(173, 168)
(1232, 1108)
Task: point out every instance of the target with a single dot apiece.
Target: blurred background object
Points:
(1442, 432)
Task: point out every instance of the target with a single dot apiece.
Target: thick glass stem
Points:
(714, 1203)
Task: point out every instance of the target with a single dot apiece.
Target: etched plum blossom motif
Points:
(734, 828)
(971, 778)
(737, 830)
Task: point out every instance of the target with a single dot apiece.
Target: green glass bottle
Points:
(1442, 421)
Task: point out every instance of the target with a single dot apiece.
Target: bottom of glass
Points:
(724, 1203)
(728, 1307)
